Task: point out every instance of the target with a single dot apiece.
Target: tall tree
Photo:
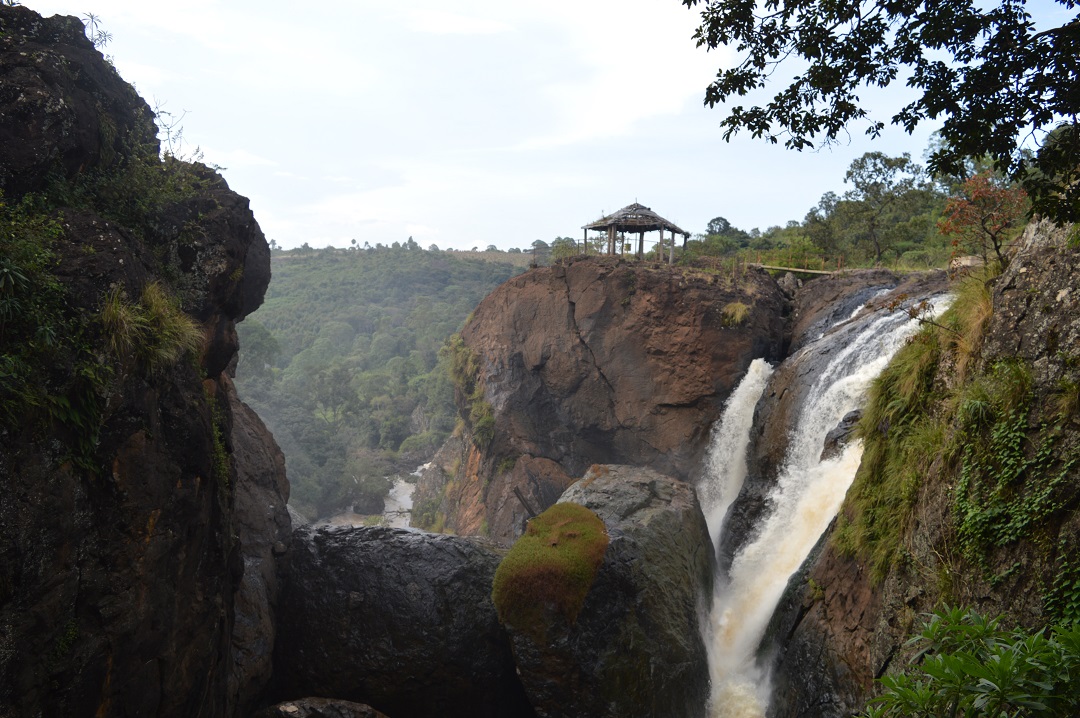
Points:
(879, 184)
(994, 77)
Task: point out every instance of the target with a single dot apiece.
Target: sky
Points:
(462, 124)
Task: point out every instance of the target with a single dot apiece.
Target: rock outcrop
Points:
(596, 361)
(264, 527)
(635, 647)
(397, 619)
(119, 557)
(64, 109)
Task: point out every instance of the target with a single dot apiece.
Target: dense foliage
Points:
(343, 362)
(889, 216)
(986, 69)
(968, 665)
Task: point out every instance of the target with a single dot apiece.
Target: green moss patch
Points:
(550, 569)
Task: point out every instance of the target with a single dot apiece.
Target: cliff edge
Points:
(591, 361)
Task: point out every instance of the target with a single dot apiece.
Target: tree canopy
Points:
(1000, 83)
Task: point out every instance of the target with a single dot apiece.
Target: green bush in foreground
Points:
(969, 666)
(550, 569)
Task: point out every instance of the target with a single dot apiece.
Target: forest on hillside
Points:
(342, 363)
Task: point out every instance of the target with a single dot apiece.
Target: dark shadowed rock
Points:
(839, 436)
(263, 525)
(319, 708)
(64, 109)
(401, 620)
(119, 562)
(635, 648)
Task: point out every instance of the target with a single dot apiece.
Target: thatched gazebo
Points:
(636, 218)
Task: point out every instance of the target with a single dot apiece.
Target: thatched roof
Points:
(635, 218)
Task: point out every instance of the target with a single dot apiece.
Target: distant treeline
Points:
(894, 213)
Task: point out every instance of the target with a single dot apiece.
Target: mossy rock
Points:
(550, 569)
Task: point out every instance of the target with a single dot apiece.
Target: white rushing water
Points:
(806, 497)
(725, 463)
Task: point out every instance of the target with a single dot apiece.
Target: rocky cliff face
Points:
(843, 623)
(119, 551)
(594, 361)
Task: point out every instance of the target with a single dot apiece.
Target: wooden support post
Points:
(671, 252)
(660, 246)
(585, 243)
(641, 245)
(611, 240)
(525, 502)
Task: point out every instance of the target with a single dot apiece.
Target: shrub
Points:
(968, 665)
(550, 569)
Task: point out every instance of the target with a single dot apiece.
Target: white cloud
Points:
(439, 22)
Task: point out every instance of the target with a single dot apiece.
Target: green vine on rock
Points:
(1009, 478)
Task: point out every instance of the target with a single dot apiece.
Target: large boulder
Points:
(635, 648)
(397, 619)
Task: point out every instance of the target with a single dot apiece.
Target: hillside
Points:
(342, 362)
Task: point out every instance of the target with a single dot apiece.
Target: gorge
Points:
(776, 519)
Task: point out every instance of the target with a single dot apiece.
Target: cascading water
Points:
(725, 464)
(806, 497)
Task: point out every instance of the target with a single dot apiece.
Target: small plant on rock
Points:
(549, 570)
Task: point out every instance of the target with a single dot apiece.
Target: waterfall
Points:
(725, 463)
(806, 497)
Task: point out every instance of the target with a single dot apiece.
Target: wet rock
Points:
(838, 437)
(826, 301)
(398, 619)
(635, 648)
